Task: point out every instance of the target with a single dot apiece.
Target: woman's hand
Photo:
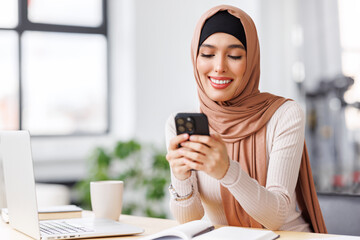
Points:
(206, 154)
(177, 162)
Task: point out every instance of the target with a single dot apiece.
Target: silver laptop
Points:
(15, 152)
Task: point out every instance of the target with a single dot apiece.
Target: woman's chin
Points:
(219, 98)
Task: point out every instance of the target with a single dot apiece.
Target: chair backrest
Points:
(341, 213)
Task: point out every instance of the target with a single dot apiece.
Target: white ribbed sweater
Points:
(273, 206)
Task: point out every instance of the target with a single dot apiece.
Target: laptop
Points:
(15, 153)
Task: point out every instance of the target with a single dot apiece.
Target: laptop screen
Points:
(15, 152)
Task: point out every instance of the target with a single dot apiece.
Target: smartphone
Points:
(192, 123)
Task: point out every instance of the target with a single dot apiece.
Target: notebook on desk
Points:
(15, 153)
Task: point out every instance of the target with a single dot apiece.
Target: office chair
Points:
(341, 213)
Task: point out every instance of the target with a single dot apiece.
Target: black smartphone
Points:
(192, 123)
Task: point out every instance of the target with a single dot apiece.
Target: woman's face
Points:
(221, 64)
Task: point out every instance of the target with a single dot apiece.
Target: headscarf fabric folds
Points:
(241, 122)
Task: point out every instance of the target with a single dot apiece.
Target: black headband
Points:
(223, 21)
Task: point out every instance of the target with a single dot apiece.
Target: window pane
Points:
(8, 13)
(64, 83)
(9, 104)
(66, 12)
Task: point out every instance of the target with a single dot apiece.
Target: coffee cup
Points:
(106, 198)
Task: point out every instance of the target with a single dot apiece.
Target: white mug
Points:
(106, 198)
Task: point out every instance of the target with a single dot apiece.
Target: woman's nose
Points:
(220, 65)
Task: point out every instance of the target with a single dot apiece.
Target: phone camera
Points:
(180, 121)
(189, 126)
(181, 129)
(185, 125)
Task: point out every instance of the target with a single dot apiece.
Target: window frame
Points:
(24, 24)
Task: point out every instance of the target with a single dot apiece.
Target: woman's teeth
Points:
(220, 81)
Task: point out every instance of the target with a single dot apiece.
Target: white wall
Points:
(322, 51)
(278, 50)
(152, 75)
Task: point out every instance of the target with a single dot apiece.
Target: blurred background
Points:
(94, 82)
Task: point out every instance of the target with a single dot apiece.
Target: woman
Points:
(253, 170)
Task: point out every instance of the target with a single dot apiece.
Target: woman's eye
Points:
(206, 55)
(235, 57)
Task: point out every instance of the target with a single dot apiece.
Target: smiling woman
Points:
(221, 65)
(253, 170)
(222, 56)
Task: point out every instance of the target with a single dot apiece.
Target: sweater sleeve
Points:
(269, 205)
(190, 209)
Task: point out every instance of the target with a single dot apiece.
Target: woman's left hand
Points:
(207, 153)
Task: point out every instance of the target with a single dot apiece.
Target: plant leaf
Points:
(125, 149)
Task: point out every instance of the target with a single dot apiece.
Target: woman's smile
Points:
(220, 82)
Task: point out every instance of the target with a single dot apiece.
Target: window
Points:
(8, 14)
(9, 90)
(66, 12)
(53, 67)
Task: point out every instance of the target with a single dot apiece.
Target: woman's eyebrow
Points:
(236, 46)
(207, 45)
(230, 46)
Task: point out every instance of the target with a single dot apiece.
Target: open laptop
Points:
(15, 152)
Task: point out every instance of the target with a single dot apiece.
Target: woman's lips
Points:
(220, 82)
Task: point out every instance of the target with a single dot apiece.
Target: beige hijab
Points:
(241, 122)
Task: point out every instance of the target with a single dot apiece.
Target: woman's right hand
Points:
(176, 160)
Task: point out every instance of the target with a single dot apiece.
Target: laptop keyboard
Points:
(64, 227)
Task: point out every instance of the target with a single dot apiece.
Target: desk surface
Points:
(151, 225)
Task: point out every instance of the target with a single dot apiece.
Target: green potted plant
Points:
(144, 170)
